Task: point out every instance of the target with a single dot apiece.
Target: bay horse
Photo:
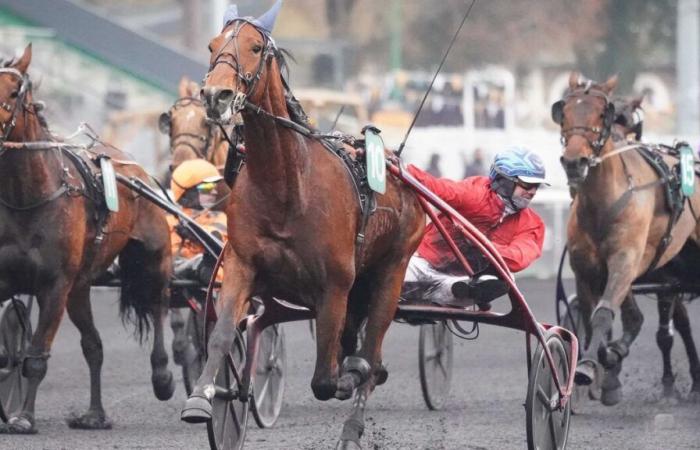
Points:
(294, 219)
(56, 237)
(616, 231)
(192, 134)
(627, 129)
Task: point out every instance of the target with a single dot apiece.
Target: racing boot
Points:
(481, 290)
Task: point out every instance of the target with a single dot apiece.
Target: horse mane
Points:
(294, 109)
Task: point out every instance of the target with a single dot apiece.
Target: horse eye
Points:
(257, 49)
(14, 94)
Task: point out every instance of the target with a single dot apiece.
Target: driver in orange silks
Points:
(195, 186)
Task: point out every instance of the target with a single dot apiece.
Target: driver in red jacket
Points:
(498, 206)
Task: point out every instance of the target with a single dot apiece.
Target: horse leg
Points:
(620, 276)
(382, 308)
(146, 268)
(177, 324)
(80, 313)
(682, 324)
(664, 339)
(232, 305)
(616, 351)
(330, 321)
(52, 303)
(161, 376)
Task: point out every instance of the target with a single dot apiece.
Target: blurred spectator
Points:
(434, 166)
(476, 166)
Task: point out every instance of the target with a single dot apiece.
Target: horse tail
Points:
(144, 287)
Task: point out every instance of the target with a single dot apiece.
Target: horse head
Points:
(192, 134)
(243, 57)
(628, 117)
(586, 115)
(16, 96)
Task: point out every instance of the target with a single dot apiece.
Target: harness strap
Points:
(64, 188)
(675, 201)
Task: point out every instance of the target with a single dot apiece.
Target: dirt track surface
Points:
(485, 410)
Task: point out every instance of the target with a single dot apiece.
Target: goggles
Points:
(206, 187)
(524, 185)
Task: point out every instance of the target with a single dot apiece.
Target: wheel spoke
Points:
(263, 389)
(553, 431)
(543, 397)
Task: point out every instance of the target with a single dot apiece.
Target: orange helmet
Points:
(191, 173)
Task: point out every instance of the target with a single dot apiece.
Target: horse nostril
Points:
(224, 98)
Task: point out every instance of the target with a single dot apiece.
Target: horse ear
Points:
(267, 20)
(574, 79)
(193, 89)
(230, 14)
(23, 63)
(610, 84)
(182, 87)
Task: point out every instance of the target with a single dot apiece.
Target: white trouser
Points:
(429, 284)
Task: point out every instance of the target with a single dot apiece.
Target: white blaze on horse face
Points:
(228, 34)
(578, 101)
(190, 115)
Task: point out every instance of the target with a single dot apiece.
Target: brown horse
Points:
(192, 134)
(627, 129)
(294, 221)
(617, 225)
(56, 236)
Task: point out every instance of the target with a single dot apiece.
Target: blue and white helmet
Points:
(518, 162)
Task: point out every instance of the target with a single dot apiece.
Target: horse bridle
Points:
(165, 127)
(23, 88)
(602, 133)
(250, 80)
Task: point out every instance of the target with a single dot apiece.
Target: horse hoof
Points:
(608, 357)
(694, 397)
(197, 410)
(585, 373)
(348, 445)
(381, 375)
(346, 384)
(611, 397)
(89, 421)
(163, 385)
(18, 425)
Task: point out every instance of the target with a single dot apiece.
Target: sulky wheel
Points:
(547, 426)
(573, 320)
(195, 356)
(229, 414)
(435, 363)
(15, 335)
(268, 387)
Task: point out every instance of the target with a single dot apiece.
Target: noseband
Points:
(24, 85)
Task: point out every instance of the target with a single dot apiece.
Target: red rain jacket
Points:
(517, 237)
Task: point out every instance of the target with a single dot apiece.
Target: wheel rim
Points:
(547, 428)
(435, 349)
(14, 339)
(226, 429)
(268, 387)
